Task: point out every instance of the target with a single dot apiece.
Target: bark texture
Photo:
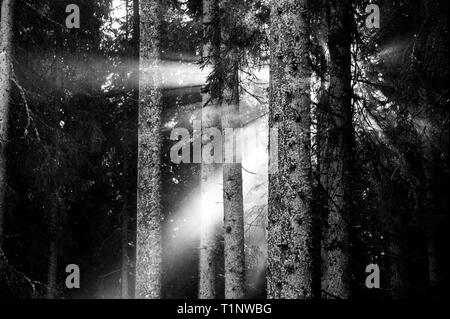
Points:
(148, 254)
(52, 270)
(290, 251)
(339, 154)
(6, 33)
(125, 256)
(232, 192)
(395, 235)
(396, 256)
(435, 222)
(210, 118)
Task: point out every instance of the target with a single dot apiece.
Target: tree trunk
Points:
(394, 233)
(6, 34)
(125, 258)
(434, 256)
(436, 273)
(339, 153)
(127, 137)
(290, 251)
(396, 258)
(210, 119)
(136, 29)
(148, 242)
(321, 115)
(321, 197)
(435, 210)
(52, 271)
(126, 20)
(232, 193)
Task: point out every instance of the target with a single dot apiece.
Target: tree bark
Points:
(232, 192)
(436, 273)
(394, 232)
(210, 119)
(148, 250)
(435, 210)
(132, 85)
(52, 271)
(6, 34)
(136, 29)
(125, 257)
(396, 258)
(339, 144)
(321, 115)
(290, 251)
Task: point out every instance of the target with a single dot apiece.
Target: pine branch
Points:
(32, 282)
(42, 15)
(27, 108)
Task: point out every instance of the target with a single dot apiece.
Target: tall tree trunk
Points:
(435, 210)
(397, 278)
(321, 197)
(132, 85)
(232, 192)
(136, 27)
(6, 34)
(125, 256)
(210, 119)
(133, 145)
(52, 270)
(149, 211)
(290, 251)
(436, 273)
(339, 157)
(127, 17)
(321, 116)
(52, 273)
(395, 235)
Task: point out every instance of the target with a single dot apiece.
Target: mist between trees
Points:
(224, 149)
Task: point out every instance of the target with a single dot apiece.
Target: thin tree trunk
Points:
(210, 119)
(321, 197)
(339, 140)
(396, 259)
(52, 271)
(290, 251)
(6, 34)
(435, 209)
(125, 257)
(126, 185)
(232, 193)
(322, 112)
(126, 20)
(133, 144)
(149, 211)
(136, 27)
(395, 236)
(434, 259)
